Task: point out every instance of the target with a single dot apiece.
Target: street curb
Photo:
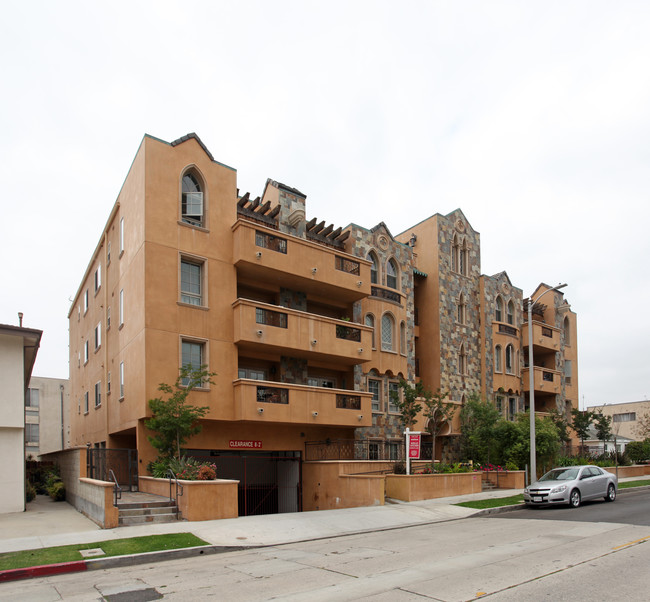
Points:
(46, 570)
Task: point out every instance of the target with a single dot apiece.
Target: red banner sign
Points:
(239, 444)
(414, 447)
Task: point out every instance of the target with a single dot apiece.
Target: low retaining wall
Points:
(506, 479)
(411, 488)
(201, 500)
(638, 470)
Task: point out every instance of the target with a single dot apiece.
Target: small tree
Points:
(642, 428)
(478, 421)
(409, 406)
(562, 425)
(580, 423)
(174, 421)
(437, 412)
(603, 426)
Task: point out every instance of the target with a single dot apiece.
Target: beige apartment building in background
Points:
(309, 327)
(625, 417)
(47, 413)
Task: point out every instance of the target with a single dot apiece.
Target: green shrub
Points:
(30, 492)
(638, 451)
(207, 472)
(511, 466)
(57, 491)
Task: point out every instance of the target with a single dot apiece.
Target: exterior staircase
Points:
(136, 508)
(488, 486)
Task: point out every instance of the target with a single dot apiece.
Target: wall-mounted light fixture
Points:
(260, 410)
(259, 333)
(359, 283)
(258, 254)
(314, 414)
(314, 270)
(360, 417)
(313, 342)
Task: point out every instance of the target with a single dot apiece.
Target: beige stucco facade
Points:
(308, 327)
(625, 417)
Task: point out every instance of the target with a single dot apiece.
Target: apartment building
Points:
(626, 417)
(309, 327)
(47, 410)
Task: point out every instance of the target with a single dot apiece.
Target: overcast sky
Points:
(532, 117)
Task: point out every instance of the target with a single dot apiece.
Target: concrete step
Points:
(144, 519)
(149, 511)
(165, 503)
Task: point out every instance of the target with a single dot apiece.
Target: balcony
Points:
(545, 337)
(546, 380)
(262, 254)
(266, 401)
(287, 331)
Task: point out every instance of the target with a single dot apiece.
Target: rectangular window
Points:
(347, 265)
(98, 394)
(393, 450)
(98, 336)
(108, 383)
(86, 402)
(192, 355)
(121, 236)
(108, 317)
(252, 373)
(31, 434)
(567, 372)
(512, 407)
(268, 241)
(393, 391)
(192, 208)
(121, 307)
(85, 352)
(108, 252)
(121, 380)
(32, 398)
(499, 404)
(269, 317)
(374, 387)
(191, 282)
(85, 301)
(626, 417)
(98, 278)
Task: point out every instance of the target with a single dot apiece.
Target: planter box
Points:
(201, 500)
(411, 488)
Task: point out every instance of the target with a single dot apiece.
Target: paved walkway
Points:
(46, 523)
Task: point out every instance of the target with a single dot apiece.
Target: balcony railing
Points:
(505, 329)
(271, 242)
(347, 265)
(348, 402)
(383, 293)
(272, 395)
(348, 449)
(270, 317)
(348, 333)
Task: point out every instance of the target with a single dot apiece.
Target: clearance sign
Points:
(244, 444)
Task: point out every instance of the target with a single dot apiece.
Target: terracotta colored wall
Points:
(201, 500)
(424, 487)
(629, 471)
(508, 480)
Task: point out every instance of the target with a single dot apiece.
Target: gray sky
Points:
(532, 117)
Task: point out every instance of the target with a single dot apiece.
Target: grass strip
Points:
(111, 547)
(493, 502)
(628, 484)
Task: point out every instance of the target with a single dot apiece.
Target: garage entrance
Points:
(269, 482)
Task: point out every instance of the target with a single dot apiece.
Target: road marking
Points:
(631, 543)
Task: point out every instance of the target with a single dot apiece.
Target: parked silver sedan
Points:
(572, 485)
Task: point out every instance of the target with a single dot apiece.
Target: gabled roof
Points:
(191, 136)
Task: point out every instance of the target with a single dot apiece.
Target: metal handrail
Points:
(171, 475)
(117, 490)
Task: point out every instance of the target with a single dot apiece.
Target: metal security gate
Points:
(123, 463)
(269, 482)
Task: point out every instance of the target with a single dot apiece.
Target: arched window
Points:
(191, 200)
(462, 359)
(370, 321)
(498, 314)
(567, 331)
(511, 312)
(510, 352)
(391, 274)
(461, 309)
(402, 338)
(463, 259)
(497, 359)
(454, 254)
(374, 272)
(387, 332)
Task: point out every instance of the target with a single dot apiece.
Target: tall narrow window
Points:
(192, 356)
(98, 277)
(498, 314)
(510, 352)
(108, 317)
(511, 312)
(121, 307)
(497, 359)
(108, 383)
(393, 397)
(460, 311)
(462, 359)
(98, 394)
(85, 352)
(121, 236)
(391, 274)
(192, 201)
(108, 252)
(98, 336)
(121, 380)
(374, 387)
(370, 321)
(387, 332)
(85, 301)
(454, 254)
(374, 272)
(402, 338)
(86, 407)
(463, 259)
(191, 282)
(567, 331)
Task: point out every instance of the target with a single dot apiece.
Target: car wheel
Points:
(611, 493)
(574, 499)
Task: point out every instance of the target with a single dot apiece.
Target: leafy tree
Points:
(603, 425)
(409, 406)
(174, 421)
(437, 412)
(580, 423)
(638, 451)
(561, 423)
(642, 428)
(478, 422)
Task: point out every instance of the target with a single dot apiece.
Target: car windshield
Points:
(560, 474)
